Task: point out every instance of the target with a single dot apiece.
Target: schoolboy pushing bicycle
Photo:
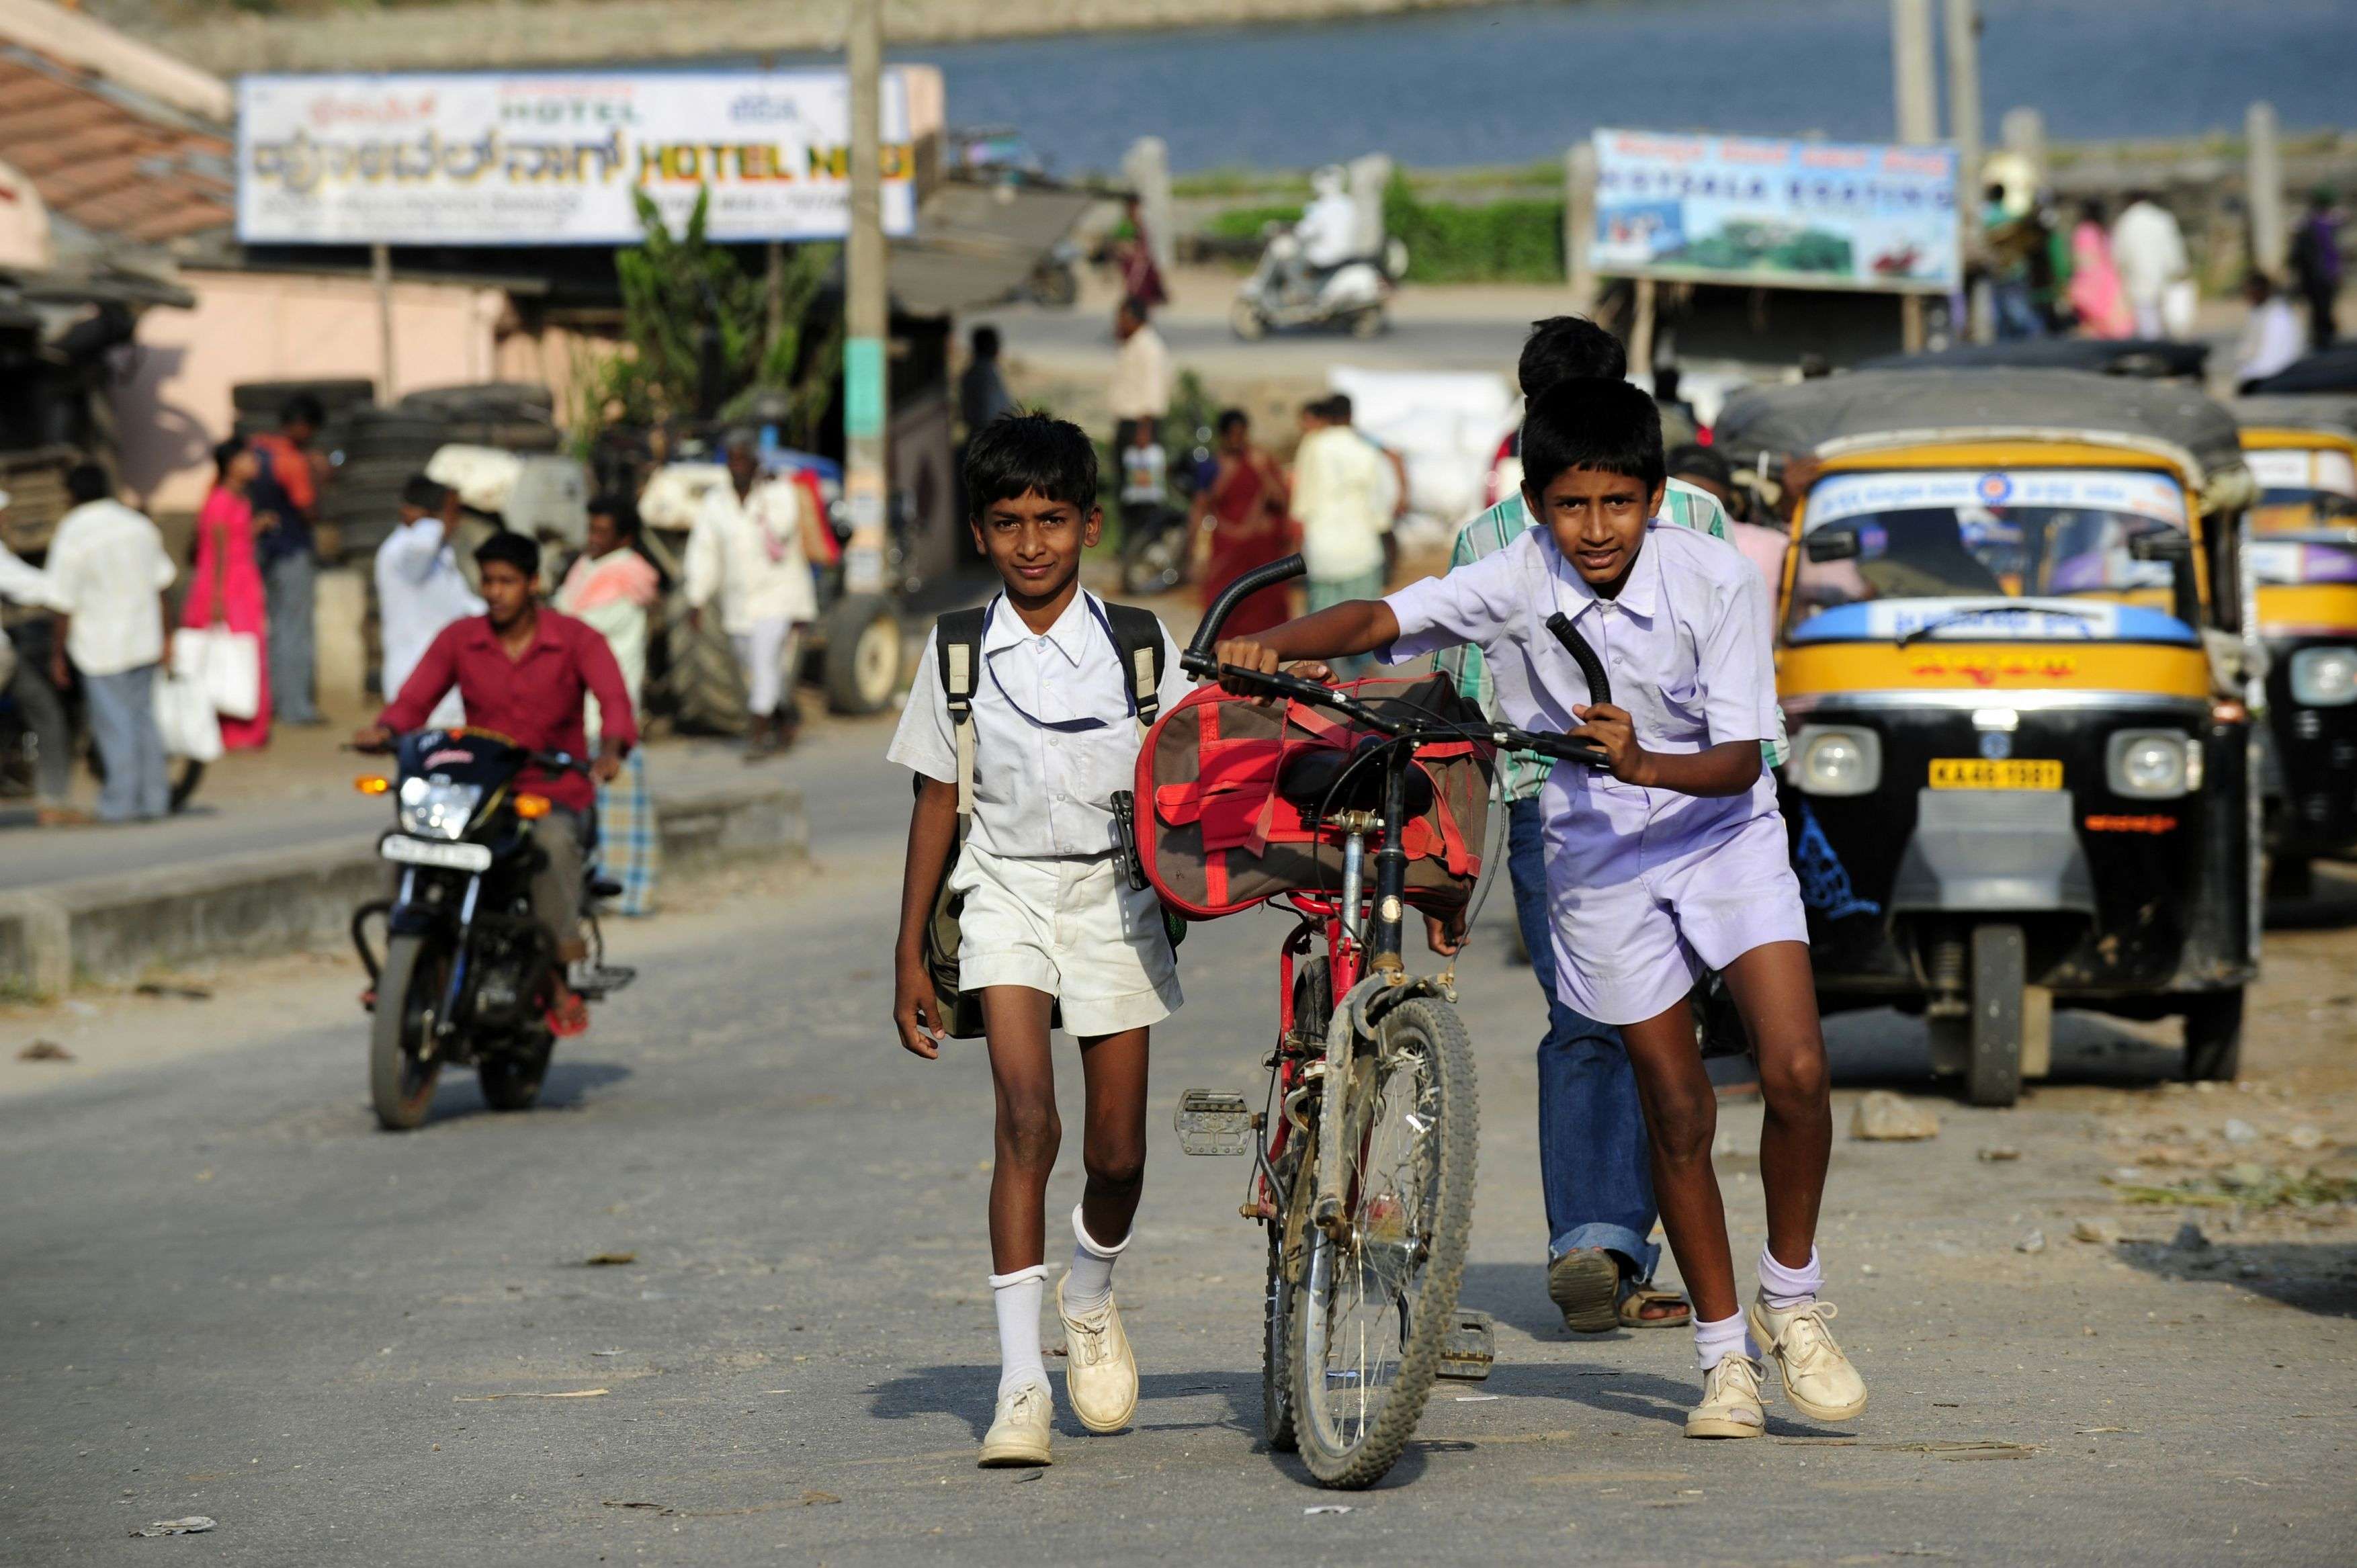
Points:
(1671, 861)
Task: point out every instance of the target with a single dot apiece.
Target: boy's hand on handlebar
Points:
(1312, 670)
(1244, 653)
(1445, 937)
(913, 1010)
(1610, 728)
(371, 737)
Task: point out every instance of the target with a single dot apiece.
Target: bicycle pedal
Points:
(603, 980)
(1471, 1348)
(1210, 1121)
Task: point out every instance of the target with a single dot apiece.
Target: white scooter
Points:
(1283, 293)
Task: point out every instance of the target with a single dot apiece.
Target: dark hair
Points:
(424, 494)
(1315, 408)
(1665, 383)
(1690, 459)
(1027, 453)
(986, 342)
(224, 455)
(622, 509)
(1339, 408)
(1564, 346)
(1229, 419)
(87, 482)
(1139, 311)
(302, 409)
(2258, 282)
(1609, 426)
(517, 550)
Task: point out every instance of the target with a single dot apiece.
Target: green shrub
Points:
(1515, 241)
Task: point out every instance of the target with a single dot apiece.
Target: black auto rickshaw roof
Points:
(2332, 412)
(1887, 407)
(2153, 359)
(2331, 369)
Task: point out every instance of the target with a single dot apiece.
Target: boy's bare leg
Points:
(1773, 987)
(1029, 1133)
(1681, 1118)
(1112, 1146)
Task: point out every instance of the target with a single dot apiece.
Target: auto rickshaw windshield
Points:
(2288, 563)
(2302, 488)
(1980, 534)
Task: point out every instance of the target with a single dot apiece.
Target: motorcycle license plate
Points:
(1980, 773)
(441, 856)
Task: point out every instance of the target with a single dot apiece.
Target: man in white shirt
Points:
(1343, 487)
(2272, 337)
(750, 549)
(107, 572)
(1140, 390)
(419, 588)
(2148, 249)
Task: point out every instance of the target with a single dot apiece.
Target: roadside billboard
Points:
(551, 158)
(1783, 214)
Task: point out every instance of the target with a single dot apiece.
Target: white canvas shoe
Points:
(1018, 1431)
(1730, 1401)
(1818, 1379)
(1100, 1373)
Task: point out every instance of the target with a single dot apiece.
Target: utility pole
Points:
(1579, 223)
(867, 307)
(1918, 119)
(380, 278)
(2263, 177)
(1964, 130)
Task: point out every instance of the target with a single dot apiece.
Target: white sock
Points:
(1713, 1342)
(1090, 1284)
(1017, 1297)
(1784, 1288)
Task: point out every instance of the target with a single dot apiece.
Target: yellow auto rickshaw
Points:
(2302, 453)
(2011, 654)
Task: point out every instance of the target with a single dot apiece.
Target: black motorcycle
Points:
(465, 978)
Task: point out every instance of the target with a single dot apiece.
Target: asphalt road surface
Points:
(228, 1294)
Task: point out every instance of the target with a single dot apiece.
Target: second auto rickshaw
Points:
(2010, 652)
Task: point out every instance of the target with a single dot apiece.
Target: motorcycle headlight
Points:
(1835, 760)
(431, 809)
(2324, 677)
(2151, 764)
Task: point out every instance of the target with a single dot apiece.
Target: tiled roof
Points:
(107, 159)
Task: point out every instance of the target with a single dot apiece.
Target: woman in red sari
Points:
(225, 582)
(1240, 523)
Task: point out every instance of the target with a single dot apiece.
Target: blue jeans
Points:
(122, 724)
(290, 589)
(1594, 1165)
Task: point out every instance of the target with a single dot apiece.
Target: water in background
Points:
(1513, 84)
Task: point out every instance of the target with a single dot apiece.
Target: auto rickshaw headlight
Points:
(1831, 759)
(2324, 677)
(2150, 764)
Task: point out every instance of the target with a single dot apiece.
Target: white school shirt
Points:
(1037, 791)
(748, 555)
(419, 590)
(1685, 645)
(106, 567)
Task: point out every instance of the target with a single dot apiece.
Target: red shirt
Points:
(534, 700)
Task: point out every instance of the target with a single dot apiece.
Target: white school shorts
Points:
(1070, 925)
(1627, 951)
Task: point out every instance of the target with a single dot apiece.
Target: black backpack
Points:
(957, 651)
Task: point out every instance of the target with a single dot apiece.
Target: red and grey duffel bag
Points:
(1215, 835)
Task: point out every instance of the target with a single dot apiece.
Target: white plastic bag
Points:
(2179, 301)
(184, 712)
(225, 665)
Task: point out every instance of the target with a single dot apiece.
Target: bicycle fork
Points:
(1327, 1212)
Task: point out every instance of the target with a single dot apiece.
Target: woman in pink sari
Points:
(2096, 295)
(225, 582)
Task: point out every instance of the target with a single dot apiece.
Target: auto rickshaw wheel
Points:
(863, 654)
(2213, 1036)
(2000, 964)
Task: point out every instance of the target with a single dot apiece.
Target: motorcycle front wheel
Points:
(511, 1080)
(401, 1062)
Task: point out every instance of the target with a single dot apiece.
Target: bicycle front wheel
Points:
(1376, 1301)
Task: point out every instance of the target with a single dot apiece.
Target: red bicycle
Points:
(1364, 1148)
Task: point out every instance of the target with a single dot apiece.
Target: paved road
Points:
(228, 1294)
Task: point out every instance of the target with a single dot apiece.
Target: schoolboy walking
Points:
(1671, 860)
(1050, 923)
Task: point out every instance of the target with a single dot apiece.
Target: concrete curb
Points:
(111, 928)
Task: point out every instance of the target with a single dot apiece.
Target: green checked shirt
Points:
(1687, 505)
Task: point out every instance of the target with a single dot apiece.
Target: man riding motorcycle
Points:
(1327, 233)
(521, 671)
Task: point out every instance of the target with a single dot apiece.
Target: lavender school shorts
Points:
(1070, 925)
(1627, 951)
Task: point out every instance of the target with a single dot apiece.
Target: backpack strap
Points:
(1137, 637)
(957, 651)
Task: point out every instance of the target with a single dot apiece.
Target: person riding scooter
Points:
(521, 670)
(1326, 235)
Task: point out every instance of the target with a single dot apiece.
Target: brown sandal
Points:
(1635, 1298)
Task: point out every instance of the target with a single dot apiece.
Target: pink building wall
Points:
(263, 326)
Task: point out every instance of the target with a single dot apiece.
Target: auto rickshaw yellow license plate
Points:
(1980, 773)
